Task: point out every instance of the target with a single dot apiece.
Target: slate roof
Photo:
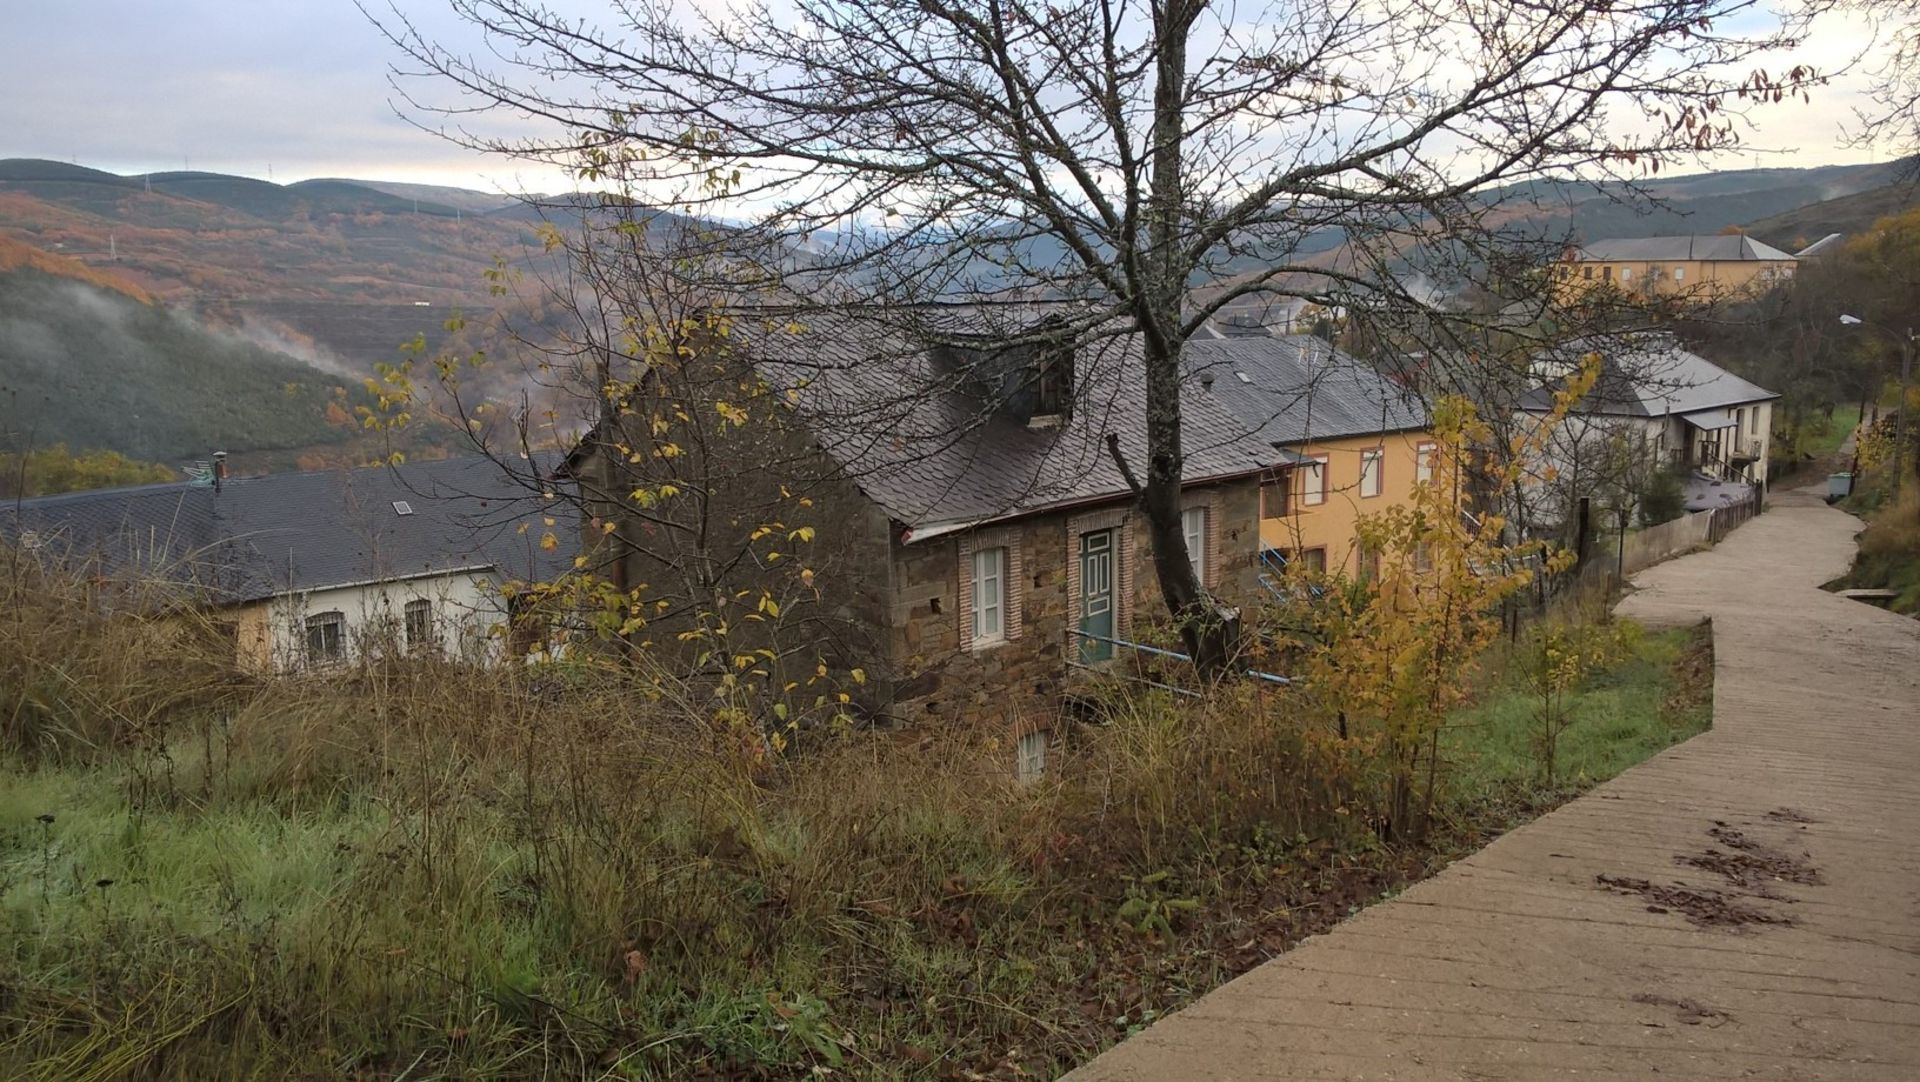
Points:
(904, 424)
(1297, 388)
(1730, 247)
(258, 537)
(1643, 376)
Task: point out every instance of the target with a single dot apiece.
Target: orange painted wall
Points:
(1330, 525)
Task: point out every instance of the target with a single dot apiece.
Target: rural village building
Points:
(320, 568)
(1362, 442)
(988, 546)
(1706, 267)
(1681, 409)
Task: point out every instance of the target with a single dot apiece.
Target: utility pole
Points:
(1903, 455)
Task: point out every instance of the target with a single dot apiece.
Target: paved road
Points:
(1517, 963)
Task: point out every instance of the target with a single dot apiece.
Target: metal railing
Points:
(1139, 648)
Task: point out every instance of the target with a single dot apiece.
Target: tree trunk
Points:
(1210, 630)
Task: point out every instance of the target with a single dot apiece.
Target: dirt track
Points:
(1746, 905)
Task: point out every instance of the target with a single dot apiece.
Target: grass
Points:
(1657, 696)
(423, 873)
(1889, 554)
(1824, 435)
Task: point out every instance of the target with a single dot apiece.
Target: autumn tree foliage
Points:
(56, 469)
(1385, 660)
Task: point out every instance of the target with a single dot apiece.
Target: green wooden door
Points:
(1096, 595)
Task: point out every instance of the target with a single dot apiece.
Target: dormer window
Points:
(1053, 382)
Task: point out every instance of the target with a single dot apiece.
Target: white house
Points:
(1674, 407)
(316, 569)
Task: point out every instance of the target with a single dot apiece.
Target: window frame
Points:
(1424, 453)
(1197, 556)
(1030, 755)
(1278, 488)
(333, 619)
(424, 639)
(1378, 457)
(998, 556)
(1317, 471)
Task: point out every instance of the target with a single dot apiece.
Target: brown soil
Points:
(1690, 1012)
(1790, 815)
(1692, 693)
(1705, 908)
(1753, 865)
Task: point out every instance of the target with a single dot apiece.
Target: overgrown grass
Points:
(425, 873)
(1889, 556)
(1658, 696)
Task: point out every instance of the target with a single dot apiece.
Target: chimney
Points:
(1206, 382)
(219, 470)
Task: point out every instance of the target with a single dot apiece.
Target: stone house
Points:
(982, 544)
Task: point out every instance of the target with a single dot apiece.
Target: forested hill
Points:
(93, 368)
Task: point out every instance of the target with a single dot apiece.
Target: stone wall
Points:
(1019, 682)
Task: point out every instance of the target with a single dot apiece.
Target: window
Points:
(326, 637)
(989, 595)
(1053, 383)
(1753, 421)
(1313, 482)
(1606, 274)
(402, 507)
(1423, 462)
(1315, 560)
(1193, 525)
(1369, 563)
(1587, 273)
(1626, 274)
(1679, 274)
(1371, 467)
(419, 616)
(1030, 755)
(1273, 496)
(1422, 558)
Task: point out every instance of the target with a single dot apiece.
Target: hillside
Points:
(97, 369)
(1849, 214)
(1698, 203)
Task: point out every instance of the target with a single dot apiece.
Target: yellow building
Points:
(1706, 267)
(1365, 441)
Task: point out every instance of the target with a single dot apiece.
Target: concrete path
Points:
(1518, 963)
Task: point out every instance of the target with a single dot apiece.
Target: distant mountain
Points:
(1698, 203)
(465, 200)
(1849, 214)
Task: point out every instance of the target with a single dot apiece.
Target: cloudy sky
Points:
(298, 88)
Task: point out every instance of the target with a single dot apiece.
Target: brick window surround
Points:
(1120, 520)
(1210, 564)
(1012, 577)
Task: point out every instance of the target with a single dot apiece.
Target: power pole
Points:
(1903, 455)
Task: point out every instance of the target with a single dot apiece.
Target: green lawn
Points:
(1618, 717)
(1826, 440)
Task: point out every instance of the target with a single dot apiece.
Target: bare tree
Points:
(1117, 154)
(1894, 119)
